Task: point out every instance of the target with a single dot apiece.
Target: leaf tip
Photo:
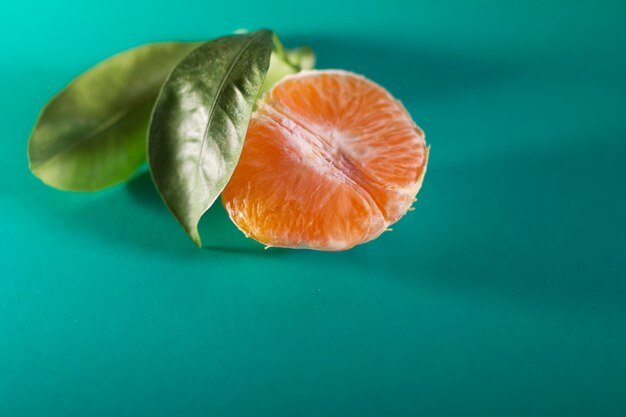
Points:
(195, 237)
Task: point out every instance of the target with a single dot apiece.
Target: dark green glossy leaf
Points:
(93, 133)
(200, 121)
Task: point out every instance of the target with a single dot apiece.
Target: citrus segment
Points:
(329, 161)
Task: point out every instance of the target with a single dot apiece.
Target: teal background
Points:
(502, 294)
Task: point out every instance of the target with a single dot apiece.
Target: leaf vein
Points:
(220, 91)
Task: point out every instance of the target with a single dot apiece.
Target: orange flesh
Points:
(329, 161)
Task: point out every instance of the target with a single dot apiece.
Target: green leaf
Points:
(200, 120)
(302, 57)
(93, 133)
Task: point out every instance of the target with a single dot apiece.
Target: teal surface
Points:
(502, 294)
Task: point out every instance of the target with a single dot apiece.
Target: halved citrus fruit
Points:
(330, 160)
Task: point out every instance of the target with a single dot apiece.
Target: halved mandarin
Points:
(330, 160)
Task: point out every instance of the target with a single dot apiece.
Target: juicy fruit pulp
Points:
(330, 160)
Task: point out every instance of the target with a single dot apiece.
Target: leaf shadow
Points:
(131, 214)
(217, 230)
